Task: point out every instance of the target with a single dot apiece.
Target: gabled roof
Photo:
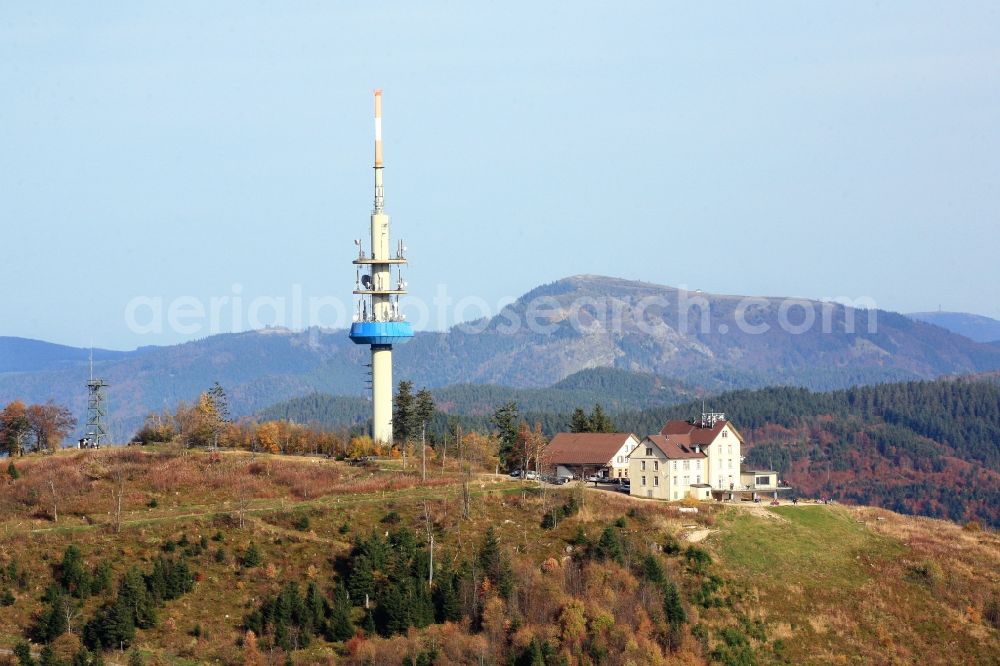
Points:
(684, 432)
(673, 450)
(586, 448)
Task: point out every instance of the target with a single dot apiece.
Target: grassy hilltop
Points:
(206, 545)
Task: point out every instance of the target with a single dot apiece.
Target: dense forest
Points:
(615, 389)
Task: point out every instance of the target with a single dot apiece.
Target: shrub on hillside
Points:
(991, 612)
(251, 557)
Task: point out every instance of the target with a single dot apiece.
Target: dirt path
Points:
(258, 508)
(697, 535)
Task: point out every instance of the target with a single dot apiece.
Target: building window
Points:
(698, 479)
(687, 464)
(656, 480)
(697, 464)
(621, 458)
(724, 433)
(675, 482)
(730, 449)
(642, 465)
(763, 481)
(675, 494)
(656, 465)
(687, 480)
(649, 451)
(675, 464)
(643, 480)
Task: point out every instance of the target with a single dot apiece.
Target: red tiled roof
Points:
(585, 448)
(674, 450)
(683, 432)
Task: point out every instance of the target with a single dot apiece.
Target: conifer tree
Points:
(447, 605)
(423, 410)
(579, 421)
(402, 413)
(505, 421)
(610, 546)
(599, 421)
(339, 626)
(674, 614)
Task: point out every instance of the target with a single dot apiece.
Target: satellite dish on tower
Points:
(366, 280)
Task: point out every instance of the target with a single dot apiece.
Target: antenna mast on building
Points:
(97, 407)
(378, 322)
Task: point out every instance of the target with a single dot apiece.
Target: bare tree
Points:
(54, 496)
(429, 526)
(242, 496)
(70, 609)
(118, 478)
(465, 478)
(423, 452)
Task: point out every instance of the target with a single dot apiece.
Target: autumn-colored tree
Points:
(251, 653)
(269, 436)
(50, 424)
(157, 427)
(360, 446)
(528, 447)
(199, 422)
(480, 450)
(14, 428)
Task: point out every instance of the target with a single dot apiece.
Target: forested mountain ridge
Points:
(702, 342)
(975, 327)
(614, 389)
(27, 355)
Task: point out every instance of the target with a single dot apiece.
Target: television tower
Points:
(378, 322)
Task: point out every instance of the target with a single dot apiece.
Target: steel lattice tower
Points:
(97, 407)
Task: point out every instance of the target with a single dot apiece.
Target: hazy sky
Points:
(165, 151)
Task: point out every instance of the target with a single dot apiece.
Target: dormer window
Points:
(649, 451)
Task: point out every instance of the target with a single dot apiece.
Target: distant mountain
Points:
(690, 341)
(26, 355)
(973, 326)
(256, 368)
(706, 340)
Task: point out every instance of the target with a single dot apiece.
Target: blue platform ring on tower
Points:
(381, 332)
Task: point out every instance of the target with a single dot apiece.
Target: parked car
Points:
(516, 473)
(595, 478)
(624, 486)
(530, 476)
